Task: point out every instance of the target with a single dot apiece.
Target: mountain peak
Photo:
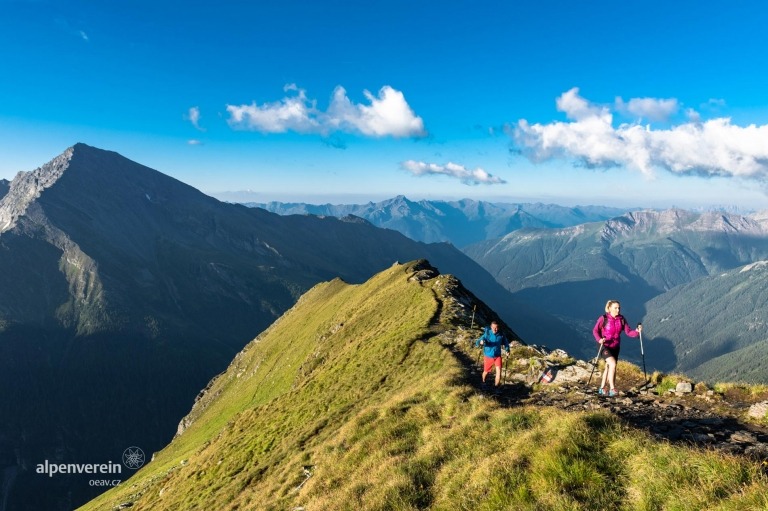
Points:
(663, 223)
(27, 186)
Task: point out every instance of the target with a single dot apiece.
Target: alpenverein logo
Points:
(133, 458)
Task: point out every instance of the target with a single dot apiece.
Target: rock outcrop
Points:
(27, 186)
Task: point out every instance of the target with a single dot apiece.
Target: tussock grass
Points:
(751, 393)
(352, 387)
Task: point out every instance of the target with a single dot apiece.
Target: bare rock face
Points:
(27, 186)
(675, 220)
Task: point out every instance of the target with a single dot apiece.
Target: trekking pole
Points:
(599, 348)
(472, 325)
(642, 354)
(504, 373)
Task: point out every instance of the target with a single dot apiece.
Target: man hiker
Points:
(492, 342)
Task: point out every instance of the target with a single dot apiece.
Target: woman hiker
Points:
(607, 332)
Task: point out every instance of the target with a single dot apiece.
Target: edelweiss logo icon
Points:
(133, 458)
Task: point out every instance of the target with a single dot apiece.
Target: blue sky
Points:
(621, 103)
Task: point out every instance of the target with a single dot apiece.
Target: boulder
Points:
(759, 410)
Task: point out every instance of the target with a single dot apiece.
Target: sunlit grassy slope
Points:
(352, 400)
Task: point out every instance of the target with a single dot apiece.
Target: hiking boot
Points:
(612, 392)
(601, 391)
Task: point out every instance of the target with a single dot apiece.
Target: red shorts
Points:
(489, 362)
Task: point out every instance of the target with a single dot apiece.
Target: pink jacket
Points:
(612, 330)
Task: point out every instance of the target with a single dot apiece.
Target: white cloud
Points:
(83, 35)
(652, 109)
(576, 107)
(450, 169)
(388, 114)
(289, 114)
(194, 142)
(193, 115)
(715, 147)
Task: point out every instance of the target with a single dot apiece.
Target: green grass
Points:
(355, 385)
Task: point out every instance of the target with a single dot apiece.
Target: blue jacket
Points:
(493, 343)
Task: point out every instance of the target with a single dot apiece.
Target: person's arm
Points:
(629, 331)
(481, 339)
(596, 331)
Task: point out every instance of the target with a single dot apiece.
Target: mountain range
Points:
(568, 261)
(461, 223)
(637, 258)
(124, 291)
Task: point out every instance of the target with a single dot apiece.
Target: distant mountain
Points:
(123, 291)
(459, 222)
(714, 328)
(571, 272)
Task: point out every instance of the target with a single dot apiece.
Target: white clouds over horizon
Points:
(468, 177)
(387, 115)
(715, 147)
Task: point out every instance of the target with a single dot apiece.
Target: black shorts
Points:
(607, 352)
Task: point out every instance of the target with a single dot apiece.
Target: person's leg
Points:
(498, 372)
(605, 375)
(610, 369)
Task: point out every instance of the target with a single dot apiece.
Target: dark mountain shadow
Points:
(84, 400)
(586, 299)
(659, 353)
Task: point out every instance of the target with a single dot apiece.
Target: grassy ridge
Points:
(352, 401)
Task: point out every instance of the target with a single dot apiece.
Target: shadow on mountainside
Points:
(659, 353)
